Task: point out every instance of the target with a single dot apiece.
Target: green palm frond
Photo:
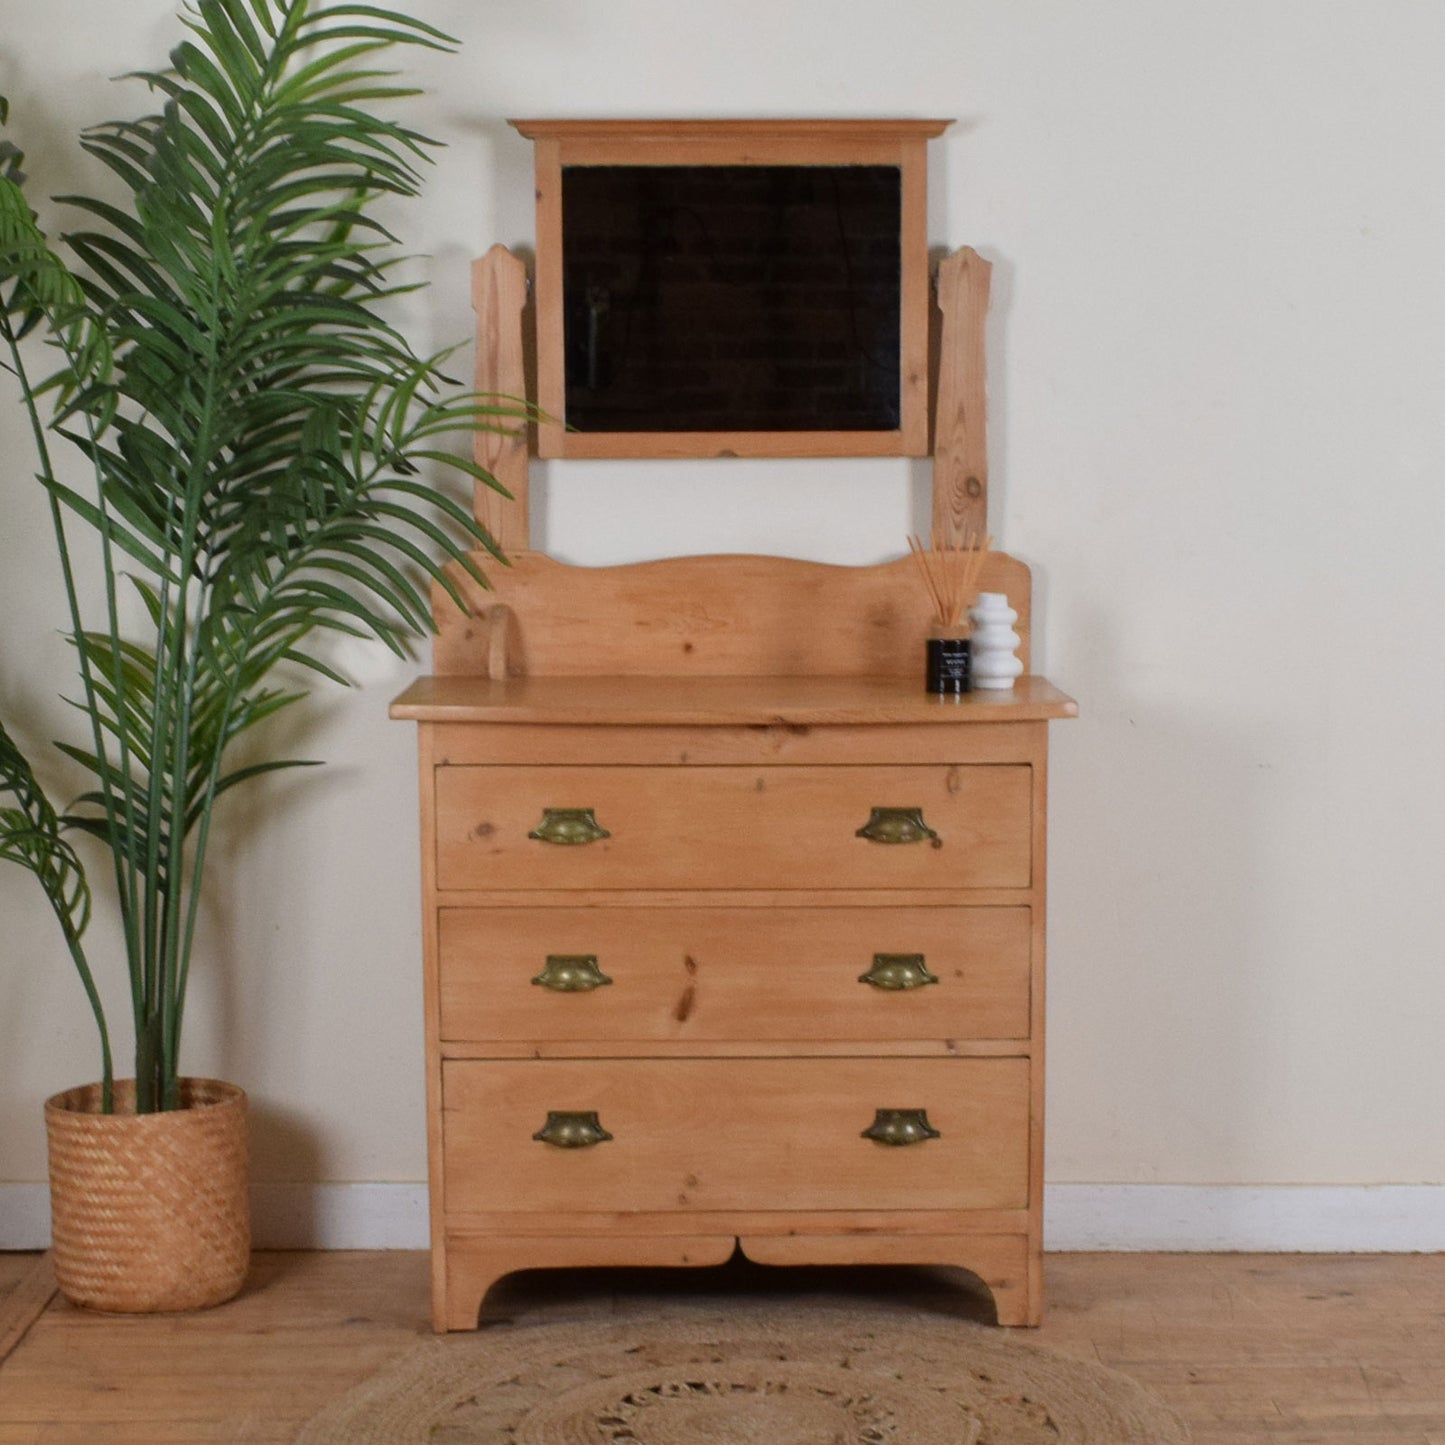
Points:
(35, 284)
(30, 836)
(269, 453)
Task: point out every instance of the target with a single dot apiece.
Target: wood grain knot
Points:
(683, 1011)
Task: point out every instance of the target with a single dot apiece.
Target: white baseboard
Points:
(283, 1216)
(24, 1216)
(1280, 1218)
(1266, 1219)
(339, 1216)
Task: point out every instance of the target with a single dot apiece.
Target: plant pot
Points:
(149, 1212)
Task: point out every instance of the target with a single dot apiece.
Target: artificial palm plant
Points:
(263, 449)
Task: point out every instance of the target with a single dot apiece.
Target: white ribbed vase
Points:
(995, 663)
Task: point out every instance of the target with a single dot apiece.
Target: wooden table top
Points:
(705, 701)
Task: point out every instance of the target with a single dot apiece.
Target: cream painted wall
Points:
(1218, 347)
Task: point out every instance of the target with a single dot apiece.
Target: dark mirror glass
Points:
(731, 298)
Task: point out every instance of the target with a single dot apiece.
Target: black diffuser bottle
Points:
(950, 665)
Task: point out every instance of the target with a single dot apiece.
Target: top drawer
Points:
(735, 827)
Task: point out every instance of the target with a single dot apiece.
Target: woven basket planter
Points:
(149, 1212)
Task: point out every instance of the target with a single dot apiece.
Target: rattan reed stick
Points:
(951, 573)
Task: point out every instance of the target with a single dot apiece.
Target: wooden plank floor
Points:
(1284, 1350)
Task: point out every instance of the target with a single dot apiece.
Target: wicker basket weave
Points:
(149, 1212)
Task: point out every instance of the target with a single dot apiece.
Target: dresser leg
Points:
(1015, 1303)
(476, 1263)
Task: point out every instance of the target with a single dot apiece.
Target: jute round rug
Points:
(755, 1375)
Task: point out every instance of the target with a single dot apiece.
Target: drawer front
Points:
(733, 827)
(734, 974)
(703, 1134)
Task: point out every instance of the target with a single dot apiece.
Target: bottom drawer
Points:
(752, 1134)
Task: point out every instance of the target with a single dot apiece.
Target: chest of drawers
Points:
(717, 961)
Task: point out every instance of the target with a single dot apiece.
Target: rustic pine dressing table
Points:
(733, 934)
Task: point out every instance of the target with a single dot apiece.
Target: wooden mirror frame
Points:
(901, 143)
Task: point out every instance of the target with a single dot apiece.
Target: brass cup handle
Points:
(567, 1130)
(571, 973)
(897, 825)
(894, 972)
(568, 826)
(901, 1127)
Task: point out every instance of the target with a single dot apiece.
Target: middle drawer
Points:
(599, 974)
